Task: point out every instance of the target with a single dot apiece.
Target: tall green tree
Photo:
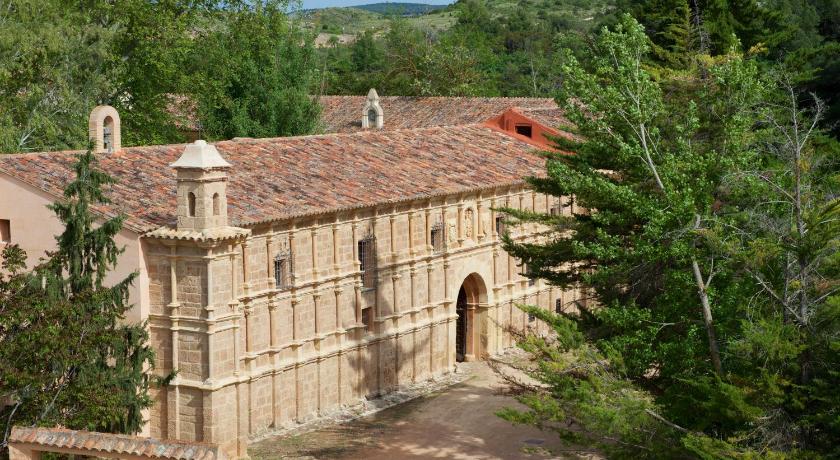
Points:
(705, 233)
(155, 44)
(55, 65)
(254, 72)
(68, 355)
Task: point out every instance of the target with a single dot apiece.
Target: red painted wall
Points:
(508, 121)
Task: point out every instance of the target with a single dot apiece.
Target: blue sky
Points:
(309, 4)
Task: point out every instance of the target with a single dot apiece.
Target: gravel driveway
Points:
(456, 423)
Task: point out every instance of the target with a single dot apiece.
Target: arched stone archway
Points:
(470, 327)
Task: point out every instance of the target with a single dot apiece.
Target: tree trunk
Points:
(707, 318)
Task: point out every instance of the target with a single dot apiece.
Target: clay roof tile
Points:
(279, 178)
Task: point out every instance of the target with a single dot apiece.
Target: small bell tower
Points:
(372, 115)
(104, 129)
(202, 188)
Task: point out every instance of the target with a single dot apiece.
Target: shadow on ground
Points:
(457, 423)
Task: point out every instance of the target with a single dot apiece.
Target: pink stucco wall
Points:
(33, 228)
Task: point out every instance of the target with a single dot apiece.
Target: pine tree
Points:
(68, 356)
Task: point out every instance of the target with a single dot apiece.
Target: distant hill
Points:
(403, 9)
(341, 21)
(375, 17)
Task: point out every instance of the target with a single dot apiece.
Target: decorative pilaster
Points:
(313, 234)
(335, 267)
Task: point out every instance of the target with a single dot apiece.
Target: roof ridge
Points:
(255, 140)
(445, 97)
(43, 152)
(360, 133)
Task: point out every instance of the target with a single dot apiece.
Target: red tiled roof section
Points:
(114, 444)
(284, 177)
(343, 114)
(553, 117)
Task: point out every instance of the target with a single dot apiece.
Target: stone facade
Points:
(315, 299)
(258, 350)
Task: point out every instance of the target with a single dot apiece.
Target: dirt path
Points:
(458, 423)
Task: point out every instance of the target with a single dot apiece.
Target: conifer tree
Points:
(69, 357)
(702, 230)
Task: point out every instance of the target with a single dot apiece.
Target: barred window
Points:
(438, 237)
(558, 306)
(367, 317)
(367, 261)
(500, 225)
(283, 271)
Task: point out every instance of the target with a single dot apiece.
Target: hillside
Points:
(375, 16)
(403, 9)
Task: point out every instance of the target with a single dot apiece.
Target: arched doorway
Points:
(472, 296)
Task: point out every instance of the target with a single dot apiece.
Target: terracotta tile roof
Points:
(285, 177)
(551, 117)
(343, 114)
(114, 444)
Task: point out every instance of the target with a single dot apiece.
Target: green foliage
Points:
(687, 191)
(55, 65)
(250, 65)
(254, 74)
(68, 355)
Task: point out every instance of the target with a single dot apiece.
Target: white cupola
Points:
(202, 188)
(372, 114)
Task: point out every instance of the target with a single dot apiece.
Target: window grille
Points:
(367, 317)
(558, 306)
(501, 228)
(438, 237)
(367, 261)
(283, 270)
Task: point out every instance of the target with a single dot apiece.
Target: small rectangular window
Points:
(283, 271)
(5, 231)
(558, 306)
(367, 318)
(555, 209)
(367, 262)
(524, 130)
(529, 273)
(438, 238)
(500, 225)
(531, 317)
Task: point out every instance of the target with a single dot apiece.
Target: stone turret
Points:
(202, 188)
(372, 115)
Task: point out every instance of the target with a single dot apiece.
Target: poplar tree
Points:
(68, 355)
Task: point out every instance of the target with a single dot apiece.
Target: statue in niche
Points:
(468, 223)
(453, 232)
